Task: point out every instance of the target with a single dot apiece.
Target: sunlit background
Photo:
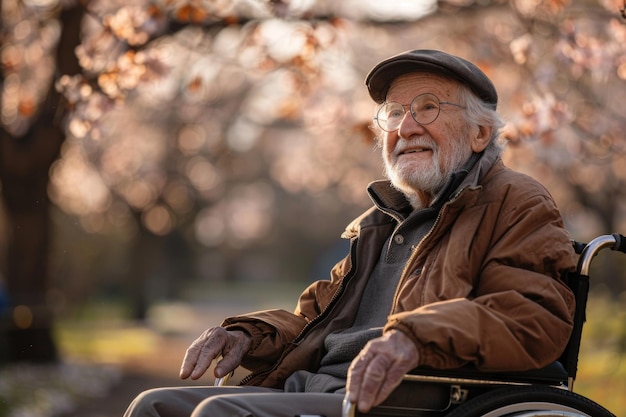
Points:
(167, 163)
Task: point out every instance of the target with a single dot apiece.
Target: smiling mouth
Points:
(408, 151)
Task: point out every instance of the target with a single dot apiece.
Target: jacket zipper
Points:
(415, 254)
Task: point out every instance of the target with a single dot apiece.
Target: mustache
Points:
(404, 145)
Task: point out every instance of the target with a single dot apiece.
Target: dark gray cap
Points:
(426, 60)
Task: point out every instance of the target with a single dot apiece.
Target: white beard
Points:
(415, 182)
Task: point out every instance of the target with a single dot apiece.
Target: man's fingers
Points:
(390, 381)
(228, 362)
(197, 360)
(237, 345)
(208, 352)
(366, 375)
(373, 380)
(201, 353)
(211, 344)
(190, 360)
(379, 369)
(355, 376)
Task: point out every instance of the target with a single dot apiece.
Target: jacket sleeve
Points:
(518, 311)
(271, 332)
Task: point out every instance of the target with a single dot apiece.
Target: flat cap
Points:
(427, 60)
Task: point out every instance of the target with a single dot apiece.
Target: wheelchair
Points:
(467, 392)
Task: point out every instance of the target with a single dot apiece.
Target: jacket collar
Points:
(390, 200)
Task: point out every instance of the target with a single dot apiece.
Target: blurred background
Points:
(167, 163)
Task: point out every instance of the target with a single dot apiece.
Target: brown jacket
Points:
(483, 287)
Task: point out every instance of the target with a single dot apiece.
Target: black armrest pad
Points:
(552, 374)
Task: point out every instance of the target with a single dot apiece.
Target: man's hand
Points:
(379, 368)
(212, 343)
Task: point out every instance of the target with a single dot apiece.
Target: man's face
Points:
(419, 158)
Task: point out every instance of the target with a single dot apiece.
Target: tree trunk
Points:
(26, 322)
(24, 165)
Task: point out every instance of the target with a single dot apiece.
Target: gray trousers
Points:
(233, 402)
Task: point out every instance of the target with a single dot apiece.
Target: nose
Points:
(408, 126)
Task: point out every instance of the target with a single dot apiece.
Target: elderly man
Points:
(458, 262)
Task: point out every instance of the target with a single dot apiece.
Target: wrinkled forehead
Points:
(409, 85)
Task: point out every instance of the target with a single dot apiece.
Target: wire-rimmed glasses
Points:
(424, 109)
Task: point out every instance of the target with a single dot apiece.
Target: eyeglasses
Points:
(424, 109)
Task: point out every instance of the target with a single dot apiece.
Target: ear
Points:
(482, 138)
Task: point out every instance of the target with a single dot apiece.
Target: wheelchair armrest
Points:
(553, 374)
(441, 388)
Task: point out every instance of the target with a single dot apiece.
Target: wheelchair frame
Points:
(467, 392)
